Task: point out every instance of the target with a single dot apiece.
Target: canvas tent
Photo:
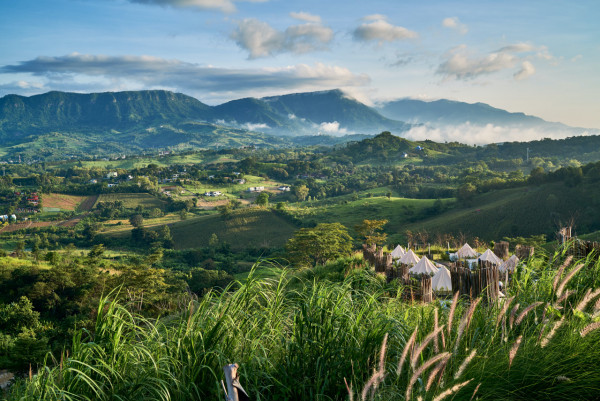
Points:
(409, 258)
(489, 256)
(509, 265)
(441, 281)
(466, 252)
(398, 252)
(424, 266)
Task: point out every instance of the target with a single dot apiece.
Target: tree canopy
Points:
(317, 245)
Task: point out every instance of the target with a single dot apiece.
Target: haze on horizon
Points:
(536, 57)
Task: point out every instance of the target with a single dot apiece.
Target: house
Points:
(112, 185)
(112, 174)
(93, 181)
(284, 188)
(256, 189)
(239, 181)
(213, 193)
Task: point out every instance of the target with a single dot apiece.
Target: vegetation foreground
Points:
(341, 332)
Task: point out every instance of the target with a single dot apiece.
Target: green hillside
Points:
(521, 212)
(245, 228)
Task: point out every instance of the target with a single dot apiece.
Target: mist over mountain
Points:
(480, 123)
(55, 124)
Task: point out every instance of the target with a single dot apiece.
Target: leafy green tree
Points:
(165, 235)
(466, 192)
(96, 252)
(262, 199)
(317, 245)
(301, 192)
(371, 231)
(137, 220)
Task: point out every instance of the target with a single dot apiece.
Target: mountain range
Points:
(58, 124)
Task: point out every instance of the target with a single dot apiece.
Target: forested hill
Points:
(61, 111)
(387, 147)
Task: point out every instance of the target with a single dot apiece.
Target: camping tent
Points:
(398, 252)
(409, 258)
(466, 252)
(489, 256)
(423, 267)
(509, 265)
(441, 281)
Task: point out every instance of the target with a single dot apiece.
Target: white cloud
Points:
(226, 6)
(332, 128)
(517, 48)
(262, 40)
(375, 17)
(255, 127)
(302, 16)
(75, 71)
(577, 58)
(479, 135)
(527, 70)
(381, 31)
(454, 23)
(461, 64)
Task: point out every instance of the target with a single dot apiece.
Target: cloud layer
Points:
(262, 40)
(482, 134)
(377, 28)
(137, 72)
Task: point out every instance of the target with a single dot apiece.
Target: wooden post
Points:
(230, 375)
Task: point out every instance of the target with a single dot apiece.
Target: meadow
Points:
(340, 332)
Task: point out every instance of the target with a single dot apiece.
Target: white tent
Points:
(398, 252)
(441, 281)
(509, 265)
(466, 252)
(423, 267)
(489, 256)
(409, 258)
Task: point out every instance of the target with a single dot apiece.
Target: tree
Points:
(370, 230)
(165, 235)
(262, 199)
(317, 245)
(466, 192)
(301, 192)
(96, 252)
(137, 220)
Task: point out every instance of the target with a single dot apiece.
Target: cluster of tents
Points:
(472, 258)
(441, 281)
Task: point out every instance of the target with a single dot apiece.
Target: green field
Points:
(132, 200)
(254, 227)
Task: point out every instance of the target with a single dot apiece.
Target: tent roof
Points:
(466, 252)
(510, 264)
(423, 267)
(489, 256)
(441, 281)
(409, 258)
(398, 252)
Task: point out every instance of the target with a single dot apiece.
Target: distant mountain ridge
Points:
(56, 124)
(449, 112)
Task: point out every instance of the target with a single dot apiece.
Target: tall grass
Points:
(302, 337)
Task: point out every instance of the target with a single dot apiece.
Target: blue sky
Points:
(537, 57)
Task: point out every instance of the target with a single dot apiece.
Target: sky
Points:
(537, 57)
